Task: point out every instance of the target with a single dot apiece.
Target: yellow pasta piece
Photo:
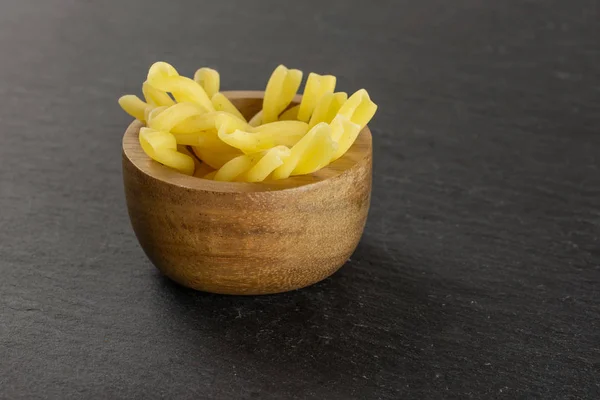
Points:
(156, 97)
(327, 108)
(192, 139)
(278, 142)
(344, 132)
(153, 112)
(290, 114)
(197, 123)
(209, 79)
(200, 168)
(284, 128)
(253, 167)
(311, 153)
(213, 150)
(134, 106)
(228, 123)
(214, 159)
(272, 159)
(317, 156)
(222, 103)
(359, 108)
(234, 168)
(173, 115)
(264, 137)
(281, 89)
(162, 147)
(256, 120)
(316, 86)
(163, 76)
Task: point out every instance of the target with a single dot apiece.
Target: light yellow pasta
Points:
(359, 108)
(153, 112)
(208, 147)
(213, 158)
(344, 132)
(156, 97)
(162, 147)
(253, 167)
(173, 115)
(264, 137)
(281, 89)
(318, 155)
(316, 86)
(290, 114)
(213, 150)
(197, 123)
(222, 103)
(163, 76)
(256, 120)
(327, 107)
(209, 79)
(187, 139)
(228, 123)
(311, 153)
(235, 167)
(279, 141)
(134, 106)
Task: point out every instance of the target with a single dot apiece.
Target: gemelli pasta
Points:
(186, 118)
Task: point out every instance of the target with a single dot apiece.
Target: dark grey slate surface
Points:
(479, 272)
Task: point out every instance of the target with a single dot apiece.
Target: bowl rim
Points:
(354, 158)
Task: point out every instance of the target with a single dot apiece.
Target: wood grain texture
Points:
(478, 272)
(248, 238)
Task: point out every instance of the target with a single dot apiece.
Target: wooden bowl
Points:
(248, 238)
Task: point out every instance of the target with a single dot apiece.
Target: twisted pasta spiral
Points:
(279, 141)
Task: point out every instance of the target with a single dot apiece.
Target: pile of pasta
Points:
(276, 143)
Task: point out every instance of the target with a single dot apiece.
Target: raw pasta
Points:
(253, 167)
(164, 77)
(281, 140)
(280, 92)
(162, 147)
(134, 106)
(156, 97)
(263, 137)
(310, 154)
(327, 107)
(209, 79)
(316, 86)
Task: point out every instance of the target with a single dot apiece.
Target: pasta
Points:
(134, 106)
(256, 120)
(280, 92)
(222, 103)
(359, 108)
(162, 147)
(195, 129)
(197, 123)
(263, 137)
(343, 132)
(290, 114)
(253, 167)
(164, 77)
(171, 116)
(150, 112)
(156, 97)
(310, 154)
(209, 79)
(316, 86)
(327, 107)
